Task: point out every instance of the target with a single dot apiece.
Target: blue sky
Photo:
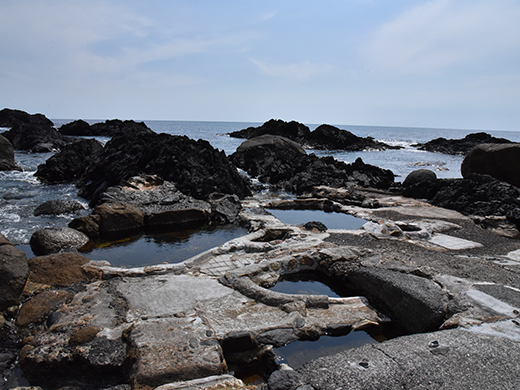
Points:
(437, 63)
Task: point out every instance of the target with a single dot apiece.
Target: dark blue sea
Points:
(21, 192)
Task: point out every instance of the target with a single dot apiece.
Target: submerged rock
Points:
(280, 162)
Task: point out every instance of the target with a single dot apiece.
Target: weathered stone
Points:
(501, 161)
(277, 337)
(59, 270)
(284, 380)
(118, 219)
(40, 306)
(415, 303)
(225, 208)
(58, 206)
(55, 240)
(13, 273)
(88, 225)
(84, 335)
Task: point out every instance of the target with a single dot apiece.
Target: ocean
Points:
(22, 192)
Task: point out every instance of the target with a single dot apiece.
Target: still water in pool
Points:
(171, 247)
(329, 219)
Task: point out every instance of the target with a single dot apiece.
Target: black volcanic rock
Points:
(460, 146)
(109, 128)
(324, 137)
(275, 160)
(194, 167)
(69, 164)
(7, 162)
(9, 118)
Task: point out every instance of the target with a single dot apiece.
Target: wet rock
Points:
(323, 137)
(315, 225)
(69, 164)
(284, 380)
(277, 337)
(417, 304)
(177, 219)
(460, 146)
(194, 167)
(58, 270)
(501, 161)
(55, 240)
(282, 164)
(58, 206)
(13, 273)
(7, 162)
(40, 306)
(88, 225)
(225, 208)
(118, 219)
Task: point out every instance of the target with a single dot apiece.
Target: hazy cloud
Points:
(298, 71)
(444, 33)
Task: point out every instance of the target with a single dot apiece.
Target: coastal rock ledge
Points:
(172, 326)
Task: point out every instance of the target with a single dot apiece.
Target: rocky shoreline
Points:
(447, 276)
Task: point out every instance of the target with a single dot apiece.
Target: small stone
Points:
(433, 344)
(364, 363)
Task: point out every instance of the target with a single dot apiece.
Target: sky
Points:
(432, 64)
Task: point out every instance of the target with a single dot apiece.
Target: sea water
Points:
(21, 192)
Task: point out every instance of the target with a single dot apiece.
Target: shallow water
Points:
(330, 219)
(170, 247)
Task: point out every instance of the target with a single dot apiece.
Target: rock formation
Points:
(7, 162)
(460, 146)
(323, 137)
(109, 128)
(284, 164)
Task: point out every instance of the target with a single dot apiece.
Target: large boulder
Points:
(460, 146)
(420, 184)
(502, 161)
(57, 207)
(323, 137)
(109, 128)
(194, 167)
(70, 163)
(13, 273)
(55, 240)
(282, 163)
(58, 270)
(7, 162)
(118, 219)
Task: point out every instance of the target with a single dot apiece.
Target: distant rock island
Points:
(324, 137)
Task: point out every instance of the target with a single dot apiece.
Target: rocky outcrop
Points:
(58, 239)
(460, 146)
(58, 206)
(58, 270)
(502, 161)
(13, 273)
(7, 162)
(323, 137)
(109, 128)
(194, 167)
(283, 164)
(70, 163)
(34, 133)
(118, 219)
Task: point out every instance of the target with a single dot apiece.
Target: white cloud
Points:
(444, 33)
(301, 71)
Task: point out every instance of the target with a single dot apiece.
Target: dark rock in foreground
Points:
(460, 146)
(55, 240)
(13, 273)
(109, 128)
(69, 164)
(502, 161)
(325, 137)
(58, 206)
(194, 167)
(282, 163)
